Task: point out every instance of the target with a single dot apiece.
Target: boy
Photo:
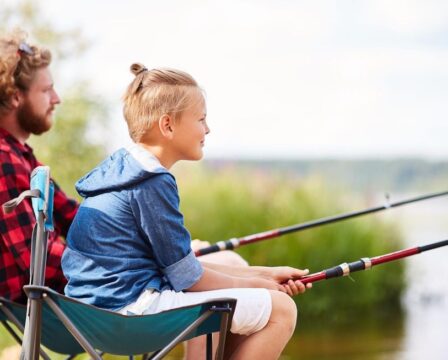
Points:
(128, 249)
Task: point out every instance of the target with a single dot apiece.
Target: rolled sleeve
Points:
(184, 273)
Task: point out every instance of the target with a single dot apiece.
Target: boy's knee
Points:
(284, 310)
(226, 257)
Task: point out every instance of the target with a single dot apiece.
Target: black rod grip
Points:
(333, 272)
(356, 266)
(208, 250)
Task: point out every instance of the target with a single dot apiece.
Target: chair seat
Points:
(114, 333)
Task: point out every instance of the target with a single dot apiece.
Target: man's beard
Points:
(32, 122)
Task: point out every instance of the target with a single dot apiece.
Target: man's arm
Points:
(16, 228)
(64, 210)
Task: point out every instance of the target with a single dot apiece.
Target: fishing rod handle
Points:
(237, 242)
(343, 269)
(219, 246)
(367, 263)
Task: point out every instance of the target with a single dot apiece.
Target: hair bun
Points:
(138, 68)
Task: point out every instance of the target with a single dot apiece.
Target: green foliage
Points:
(224, 204)
(70, 148)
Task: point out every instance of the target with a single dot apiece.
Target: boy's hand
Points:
(285, 275)
(295, 287)
(282, 274)
(263, 283)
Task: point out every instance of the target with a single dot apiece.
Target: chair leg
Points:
(160, 354)
(32, 332)
(72, 328)
(225, 327)
(12, 332)
(209, 354)
(17, 338)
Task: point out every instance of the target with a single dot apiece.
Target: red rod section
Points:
(395, 256)
(313, 277)
(359, 265)
(260, 236)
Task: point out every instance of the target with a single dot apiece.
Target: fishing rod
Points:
(237, 242)
(367, 263)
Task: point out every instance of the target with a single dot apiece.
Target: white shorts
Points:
(253, 307)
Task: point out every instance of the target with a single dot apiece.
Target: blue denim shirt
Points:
(128, 234)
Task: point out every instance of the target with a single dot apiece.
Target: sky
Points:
(283, 79)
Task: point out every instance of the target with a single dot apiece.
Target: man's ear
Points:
(166, 123)
(16, 99)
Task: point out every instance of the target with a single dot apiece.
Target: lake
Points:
(422, 332)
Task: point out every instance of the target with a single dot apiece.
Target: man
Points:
(27, 102)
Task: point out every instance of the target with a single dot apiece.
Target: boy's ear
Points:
(166, 126)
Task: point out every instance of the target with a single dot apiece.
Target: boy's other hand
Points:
(197, 244)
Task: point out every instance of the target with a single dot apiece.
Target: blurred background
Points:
(316, 108)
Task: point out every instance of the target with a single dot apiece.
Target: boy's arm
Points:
(214, 280)
(279, 274)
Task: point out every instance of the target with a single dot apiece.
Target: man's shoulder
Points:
(11, 161)
(4, 145)
(7, 154)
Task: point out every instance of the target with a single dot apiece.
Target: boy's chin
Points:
(196, 157)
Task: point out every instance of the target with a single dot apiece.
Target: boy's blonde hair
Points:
(154, 93)
(18, 64)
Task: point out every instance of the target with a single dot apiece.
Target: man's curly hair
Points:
(18, 63)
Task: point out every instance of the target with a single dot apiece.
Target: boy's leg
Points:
(269, 342)
(196, 348)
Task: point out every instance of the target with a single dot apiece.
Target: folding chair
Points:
(96, 329)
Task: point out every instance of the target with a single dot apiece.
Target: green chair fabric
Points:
(118, 334)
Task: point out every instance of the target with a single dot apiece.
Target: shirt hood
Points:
(126, 167)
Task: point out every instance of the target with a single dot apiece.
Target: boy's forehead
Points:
(199, 104)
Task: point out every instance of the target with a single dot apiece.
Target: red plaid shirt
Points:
(16, 163)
